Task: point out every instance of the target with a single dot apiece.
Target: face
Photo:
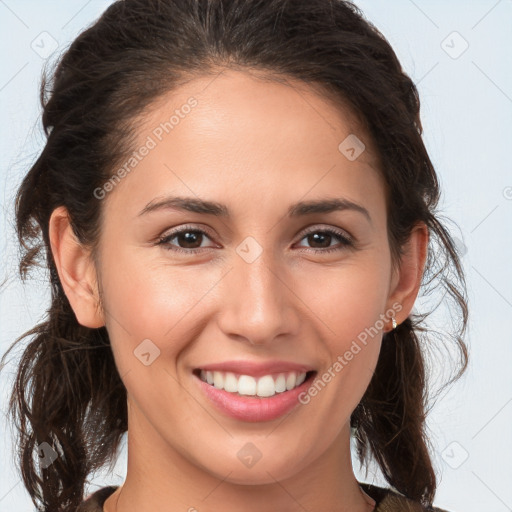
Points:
(253, 287)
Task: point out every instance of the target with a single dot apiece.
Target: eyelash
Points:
(346, 241)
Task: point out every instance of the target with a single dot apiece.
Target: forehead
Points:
(228, 103)
(237, 131)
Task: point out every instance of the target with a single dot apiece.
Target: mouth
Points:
(250, 386)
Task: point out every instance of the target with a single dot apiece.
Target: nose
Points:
(258, 302)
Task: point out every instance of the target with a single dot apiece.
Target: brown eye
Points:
(189, 239)
(321, 240)
(184, 240)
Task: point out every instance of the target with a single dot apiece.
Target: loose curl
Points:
(67, 390)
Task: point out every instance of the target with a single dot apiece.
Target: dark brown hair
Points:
(67, 391)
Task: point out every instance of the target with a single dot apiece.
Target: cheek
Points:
(348, 300)
(145, 297)
(149, 298)
(153, 300)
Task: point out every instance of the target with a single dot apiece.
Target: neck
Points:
(161, 478)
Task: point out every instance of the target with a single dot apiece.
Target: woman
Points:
(237, 211)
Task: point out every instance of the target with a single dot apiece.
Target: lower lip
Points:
(247, 408)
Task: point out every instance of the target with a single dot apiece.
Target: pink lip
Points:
(254, 409)
(256, 369)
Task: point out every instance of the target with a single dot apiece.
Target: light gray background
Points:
(466, 96)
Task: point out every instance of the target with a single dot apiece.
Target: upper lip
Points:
(257, 369)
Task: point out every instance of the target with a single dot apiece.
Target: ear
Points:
(406, 281)
(76, 270)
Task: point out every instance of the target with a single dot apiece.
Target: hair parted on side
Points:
(67, 390)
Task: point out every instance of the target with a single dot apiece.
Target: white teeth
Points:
(300, 379)
(280, 383)
(218, 380)
(264, 386)
(231, 383)
(246, 385)
(290, 381)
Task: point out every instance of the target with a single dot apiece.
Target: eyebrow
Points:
(195, 205)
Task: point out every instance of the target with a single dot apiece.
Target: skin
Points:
(256, 146)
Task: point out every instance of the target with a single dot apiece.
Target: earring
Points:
(393, 322)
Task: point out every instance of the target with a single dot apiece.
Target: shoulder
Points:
(94, 502)
(388, 500)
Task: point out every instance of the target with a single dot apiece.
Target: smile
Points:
(268, 394)
(247, 385)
